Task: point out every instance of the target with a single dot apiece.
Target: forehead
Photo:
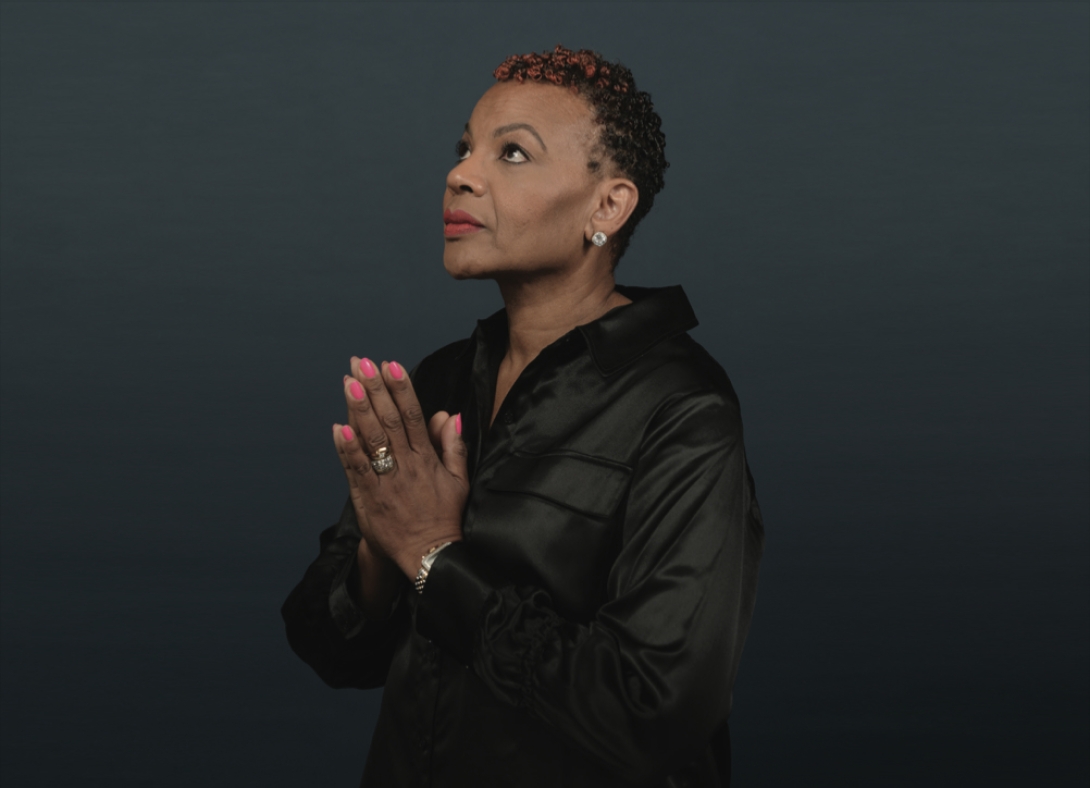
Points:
(555, 112)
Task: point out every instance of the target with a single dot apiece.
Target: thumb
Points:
(454, 449)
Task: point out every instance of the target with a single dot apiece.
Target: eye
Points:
(461, 150)
(513, 154)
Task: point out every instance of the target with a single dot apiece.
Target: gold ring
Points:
(383, 461)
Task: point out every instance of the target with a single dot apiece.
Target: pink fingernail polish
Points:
(396, 370)
(367, 368)
(346, 433)
(356, 389)
(458, 423)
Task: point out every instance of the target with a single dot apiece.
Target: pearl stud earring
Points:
(598, 239)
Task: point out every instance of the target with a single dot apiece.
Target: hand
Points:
(418, 504)
(357, 405)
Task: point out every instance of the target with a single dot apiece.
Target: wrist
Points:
(374, 582)
(426, 563)
(371, 559)
(410, 561)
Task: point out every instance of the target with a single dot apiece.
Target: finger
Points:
(369, 425)
(358, 405)
(356, 463)
(435, 430)
(412, 415)
(365, 426)
(338, 445)
(387, 417)
(454, 450)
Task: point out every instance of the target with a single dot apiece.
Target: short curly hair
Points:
(631, 134)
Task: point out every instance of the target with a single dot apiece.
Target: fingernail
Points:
(346, 433)
(367, 368)
(458, 423)
(356, 389)
(396, 370)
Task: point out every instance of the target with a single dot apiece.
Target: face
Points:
(520, 199)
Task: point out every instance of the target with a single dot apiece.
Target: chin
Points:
(463, 266)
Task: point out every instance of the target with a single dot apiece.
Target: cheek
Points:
(547, 219)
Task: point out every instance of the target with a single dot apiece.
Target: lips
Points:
(458, 223)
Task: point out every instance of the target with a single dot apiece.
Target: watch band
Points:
(426, 562)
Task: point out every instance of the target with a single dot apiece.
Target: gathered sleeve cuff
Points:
(450, 608)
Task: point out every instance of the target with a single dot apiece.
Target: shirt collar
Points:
(624, 333)
(627, 332)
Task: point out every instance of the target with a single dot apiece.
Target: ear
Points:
(617, 198)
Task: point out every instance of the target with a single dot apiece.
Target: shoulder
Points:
(680, 367)
(688, 391)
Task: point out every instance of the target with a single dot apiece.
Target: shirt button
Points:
(508, 418)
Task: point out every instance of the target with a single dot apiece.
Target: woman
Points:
(549, 553)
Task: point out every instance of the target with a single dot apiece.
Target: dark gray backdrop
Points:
(879, 212)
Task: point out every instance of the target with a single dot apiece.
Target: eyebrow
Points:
(512, 127)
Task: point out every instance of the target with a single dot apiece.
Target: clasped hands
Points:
(414, 507)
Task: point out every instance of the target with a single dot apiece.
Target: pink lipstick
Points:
(458, 223)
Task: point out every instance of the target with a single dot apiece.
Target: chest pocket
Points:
(587, 486)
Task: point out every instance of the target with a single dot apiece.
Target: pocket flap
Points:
(583, 484)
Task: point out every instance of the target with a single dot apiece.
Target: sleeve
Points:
(325, 625)
(645, 684)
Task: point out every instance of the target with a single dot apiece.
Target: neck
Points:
(541, 310)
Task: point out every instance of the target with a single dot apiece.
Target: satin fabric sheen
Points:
(588, 630)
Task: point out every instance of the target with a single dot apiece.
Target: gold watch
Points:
(426, 561)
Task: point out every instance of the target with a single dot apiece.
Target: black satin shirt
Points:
(588, 629)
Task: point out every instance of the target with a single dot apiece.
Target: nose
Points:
(465, 178)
